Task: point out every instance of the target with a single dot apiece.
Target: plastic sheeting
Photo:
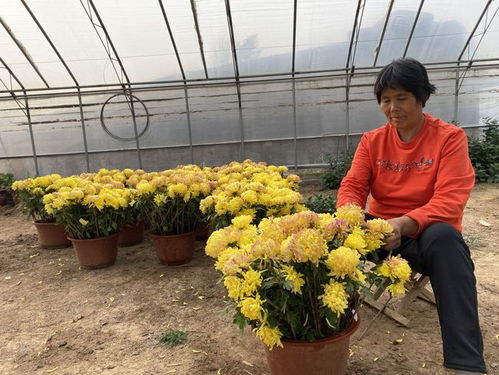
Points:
(284, 121)
(262, 32)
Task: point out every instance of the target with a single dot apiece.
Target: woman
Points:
(419, 175)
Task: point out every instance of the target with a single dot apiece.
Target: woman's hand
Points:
(402, 226)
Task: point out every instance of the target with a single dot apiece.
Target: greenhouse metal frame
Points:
(23, 94)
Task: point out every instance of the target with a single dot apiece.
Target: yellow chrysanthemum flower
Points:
(159, 199)
(251, 281)
(353, 214)
(395, 268)
(379, 226)
(270, 336)
(335, 297)
(384, 270)
(251, 307)
(233, 285)
(355, 240)
(396, 289)
(242, 221)
(399, 268)
(250, 197)
(144, 187)
(343, 262)
(295, 277)
(307, 246)
(235, 205)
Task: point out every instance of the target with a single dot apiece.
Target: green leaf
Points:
(240, 320)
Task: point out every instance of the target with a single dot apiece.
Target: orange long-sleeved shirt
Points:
(428, 178)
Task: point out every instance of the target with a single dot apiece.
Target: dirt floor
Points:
(58, 319)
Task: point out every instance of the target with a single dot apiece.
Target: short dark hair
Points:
(408, 74)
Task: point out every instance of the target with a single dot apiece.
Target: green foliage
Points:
(174, 216)
(6, 180)
(85, 222)
(321, 203)
(337, 169)
(295, 314)
(173, 338)
(31, 202)
(484, 152)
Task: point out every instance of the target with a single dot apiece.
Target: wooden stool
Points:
(416, 288)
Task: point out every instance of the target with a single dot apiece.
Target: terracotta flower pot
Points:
(3, 197)
(176, 249)
(98, 252)
(131, 234)
(202, 232)
(326, 356)
(51, 235)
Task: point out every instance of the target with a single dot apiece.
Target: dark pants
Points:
(441, 253)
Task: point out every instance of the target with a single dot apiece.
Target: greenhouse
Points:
(261, 187)
(153, 85)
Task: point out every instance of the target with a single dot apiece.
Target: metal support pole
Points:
(27, 113)
(236, 74)
(163, 11)
(456, 96)
(387, 18)
(136, 133)
(56, 51)
(198, 33)
(295, 143)
(32, 137)
(347, 118)
(413, 28)
(189, 126)
(294, 37)
(242, 153)
(23, 50)
(474, 29)
(83, 131)
(295, 131)
(350, 67)
(186, 96)
(110, 88)
(470, 63)
(108, 38)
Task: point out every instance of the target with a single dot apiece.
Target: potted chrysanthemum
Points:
(253, 189)
(92, 214)
(6, 181)
(30, 193)
(170, 202)
(297, 281)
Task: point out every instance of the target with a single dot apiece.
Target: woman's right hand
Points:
(402, 226)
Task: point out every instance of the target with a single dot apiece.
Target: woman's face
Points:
(401, 108)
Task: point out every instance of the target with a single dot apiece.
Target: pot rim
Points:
(336, 337)
(93, 239)
(134, 225)
(172, 235)
(39, 222)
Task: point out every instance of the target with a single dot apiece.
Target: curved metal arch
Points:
(24, 51)
(109, 132)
